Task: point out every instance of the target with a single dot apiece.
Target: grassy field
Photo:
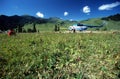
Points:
(110, 25)
(49, 27)
(60, 56)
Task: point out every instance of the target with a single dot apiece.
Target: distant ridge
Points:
(10, 22)
(112, 17)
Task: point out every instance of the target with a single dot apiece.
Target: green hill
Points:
(109, 25)
(48, 24)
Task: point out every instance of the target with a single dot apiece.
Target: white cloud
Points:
(86, 9)
(39, 14)
(66, 13)
(109, 6)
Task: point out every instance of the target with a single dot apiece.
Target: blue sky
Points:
(65, 9)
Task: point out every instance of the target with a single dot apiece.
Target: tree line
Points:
(112, 17)
(17, 22)
(11, 22)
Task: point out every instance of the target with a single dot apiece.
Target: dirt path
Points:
(91, 32)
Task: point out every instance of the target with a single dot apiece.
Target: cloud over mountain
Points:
(39, 14)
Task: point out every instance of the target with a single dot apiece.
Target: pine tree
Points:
(34, 28)
(19, 28)
(56, 28)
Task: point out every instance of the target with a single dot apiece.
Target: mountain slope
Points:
(112, 17)
(111, 22)
(42, 24)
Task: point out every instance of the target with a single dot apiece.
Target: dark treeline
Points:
(112, 17)
(11, 22)
(17, 22)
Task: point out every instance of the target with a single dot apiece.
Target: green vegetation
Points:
(60, 56)
(48, 27)
(110, 24)
(25, 23)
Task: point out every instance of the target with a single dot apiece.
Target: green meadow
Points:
(60, 56)
(49, 27)
(109, 25)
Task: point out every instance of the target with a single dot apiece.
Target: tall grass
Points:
(60, 56)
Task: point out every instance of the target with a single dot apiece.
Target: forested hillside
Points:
(44, 24)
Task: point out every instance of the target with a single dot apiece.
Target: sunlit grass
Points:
(58, 55)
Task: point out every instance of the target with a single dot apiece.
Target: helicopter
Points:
(82, 27)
